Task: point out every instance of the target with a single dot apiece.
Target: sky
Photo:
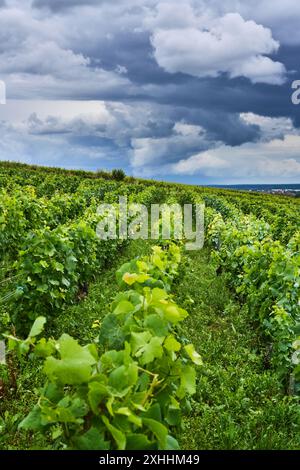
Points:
(194, 91)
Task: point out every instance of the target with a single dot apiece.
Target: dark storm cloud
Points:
(228, 128)
(229, 96)
(60, 5)
(132, 50)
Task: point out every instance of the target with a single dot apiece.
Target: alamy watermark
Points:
(166, 221)
(2, 352)
(296, 95)
(2, 92)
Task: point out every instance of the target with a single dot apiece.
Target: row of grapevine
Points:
(282, 213)
(129, 388)
(54, 264)
(264, 272)
(24, 211)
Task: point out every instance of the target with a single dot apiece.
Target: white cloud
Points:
(260, 69)
(271, 128)
(282, 17)
(207, 163)
(205, 46)
(39, 59)
(184, 129)
(275, 161)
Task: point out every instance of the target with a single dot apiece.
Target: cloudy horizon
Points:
(195, 91)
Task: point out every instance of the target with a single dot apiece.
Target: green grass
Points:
(239, 403)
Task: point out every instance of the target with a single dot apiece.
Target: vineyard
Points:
(139, 344)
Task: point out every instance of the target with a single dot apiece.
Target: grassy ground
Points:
(239, 404)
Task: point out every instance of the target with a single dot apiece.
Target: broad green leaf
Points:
(157, 324)
(123, 307)
(118, 435)
(125, 411)
(111, 333)
(171, 344)
(142, 278)
(195, 357)
(44, 348)
(154, 412)
(75, 365)
(142, 266)
(130, 278)
(146, 346)
(157, 261)
(187, 381)
(138, 442)
(175, 314)
(173, 416)
(97, 393)
(56, 433)
(159, 294)
(172, 443)
(159, 431)
(152, 350)
(37, 327)
(77, 406)
(139, 340)
(53, 392)
(33, 420)
(93, 439)
(123, 377)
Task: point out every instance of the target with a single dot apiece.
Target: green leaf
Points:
(159, 294)
(123, 307)
(173, 416)
(146, 346)
(75, 364)
(157, 324)
(194, 356)
(123, 377)
(37, 327)
(171, 344)
(97, 393)
(152, 350)
(130, 278)
(93, 439)
(174, 314)
(172, 443)
(111, 333)
(157, 261)
(53, 392)
(121, 271)
(154, 412)
(65, 282)
(125, 411)
(187, 381)
(138, 442)
(159, 431)
(32, 420)
(118, 435)
(44, 348)
(139, 340)
(56, 433)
